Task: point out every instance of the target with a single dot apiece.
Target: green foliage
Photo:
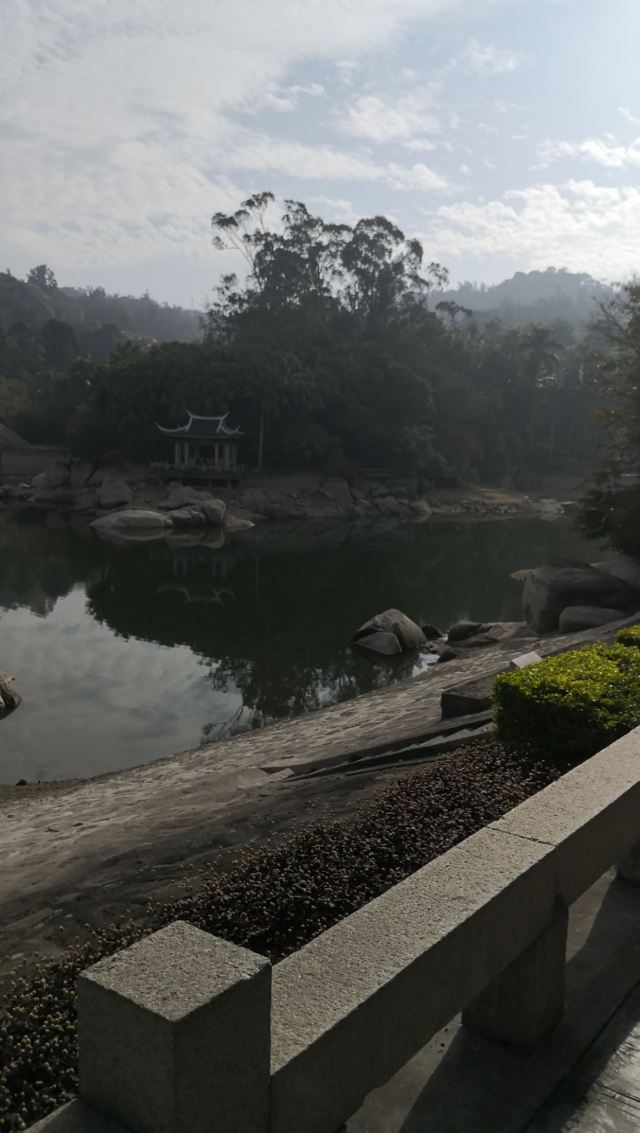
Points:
(273, 901)
(572, 704)
(630, 635)
(611, 508)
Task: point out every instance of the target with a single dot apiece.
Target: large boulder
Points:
(213, 511)
(386, 644)
(573, 619)
(460, 631)
(336, 488)
(622, 566)
(420, 508)
(181, 495)
(188, 516)
(394, 622)
(550, 589)
(132, 519)
(114, 492)
(58, 475)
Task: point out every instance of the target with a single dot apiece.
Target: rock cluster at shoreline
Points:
(295, 496)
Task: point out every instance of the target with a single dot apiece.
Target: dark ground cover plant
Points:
(630, 635)
(572, 704)
(273, 901)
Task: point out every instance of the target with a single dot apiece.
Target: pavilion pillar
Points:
(176, 453)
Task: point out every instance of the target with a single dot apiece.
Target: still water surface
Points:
(127, 653)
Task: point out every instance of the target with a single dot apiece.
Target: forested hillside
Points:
(341, 345)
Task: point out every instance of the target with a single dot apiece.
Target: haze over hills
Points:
(101, 321)
(534, 296)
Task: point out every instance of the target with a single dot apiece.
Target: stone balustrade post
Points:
(174, 1035)
(526, 1001)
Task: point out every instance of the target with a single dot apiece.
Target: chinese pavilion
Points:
(204, 447)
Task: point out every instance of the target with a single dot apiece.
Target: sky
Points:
(505, 134)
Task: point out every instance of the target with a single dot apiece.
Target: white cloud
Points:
(116, 119)
(603, 151)
(485, 59)
(326, 163)
(384, 120)
(626, 113)
(420, 144)
(581, 225)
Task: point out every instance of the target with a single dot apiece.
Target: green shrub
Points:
(572, 704)
(630, 635)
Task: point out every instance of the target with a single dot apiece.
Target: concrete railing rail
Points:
(184, 1033)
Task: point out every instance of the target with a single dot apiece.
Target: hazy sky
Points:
(505, 133)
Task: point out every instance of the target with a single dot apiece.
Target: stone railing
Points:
(185, 1033)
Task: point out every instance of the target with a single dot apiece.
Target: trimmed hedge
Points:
(572, 704)
(630, 635)
(274, 900)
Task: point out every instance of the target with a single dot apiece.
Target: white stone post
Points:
(526, 1001)
(174, 1035)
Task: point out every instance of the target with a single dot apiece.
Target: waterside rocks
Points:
(576, 618)
(9, 697)
(114, 492)
(132, 519)
(376, 634)
(551, 589)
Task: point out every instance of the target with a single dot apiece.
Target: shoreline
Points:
(98, 850)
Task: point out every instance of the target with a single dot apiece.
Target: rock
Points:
(550, 509)
(420, 508)
(237, 523)
(576, 618)
(550, 589)
(188, 516)
(336, 488)
(132, 519)
(430, 631)
(180, 495)
(624, 567)
(469, 697)
(447, 654)
(524, 660)
(114, 492)
(54, 497)
(9, 698)
(407, 633)
(58, 475)
(381, 642)
(213, 511)
(85, 501)
(460, 631)
(389, 505)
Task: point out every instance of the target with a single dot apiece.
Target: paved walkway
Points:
(584, 1079)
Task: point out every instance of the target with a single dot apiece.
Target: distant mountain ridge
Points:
(89, 310)
(534, 296)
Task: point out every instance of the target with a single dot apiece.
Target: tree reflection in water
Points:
(272, 612)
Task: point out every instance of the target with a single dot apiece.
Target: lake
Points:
(124, 654)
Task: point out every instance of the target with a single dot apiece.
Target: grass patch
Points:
(572, 704)
(273, 901)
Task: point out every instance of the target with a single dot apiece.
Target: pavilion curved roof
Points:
(202, 428)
